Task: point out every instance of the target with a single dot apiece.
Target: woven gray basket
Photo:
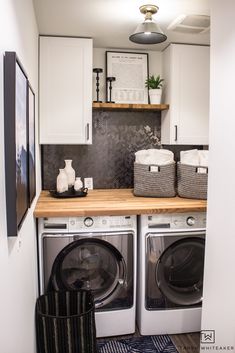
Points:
(154, 181)
(190, 183)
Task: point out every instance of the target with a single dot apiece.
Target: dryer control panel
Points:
(177, 220)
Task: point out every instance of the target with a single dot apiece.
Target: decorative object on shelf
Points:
(109, 95)
(154, 85)
(70, 172)
(97, 71)
(148, 32)
(78, 185)
(16, 142)
(130, 70)
(62, 181)
(69, 193)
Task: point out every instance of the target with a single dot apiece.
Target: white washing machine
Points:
(170, 272)
(97, 253)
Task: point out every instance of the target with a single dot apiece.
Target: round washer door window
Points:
(90, 264)
(179, 271)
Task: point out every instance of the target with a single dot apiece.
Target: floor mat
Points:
(143, 344)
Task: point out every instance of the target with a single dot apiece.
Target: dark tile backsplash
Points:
(109, 160)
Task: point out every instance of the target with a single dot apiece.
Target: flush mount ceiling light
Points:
(148, 32)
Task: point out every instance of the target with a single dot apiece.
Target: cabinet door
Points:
(65, 90)
(188, 83)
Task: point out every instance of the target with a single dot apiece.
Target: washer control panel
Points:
(177, 220)
(76, 224)
(101, 223)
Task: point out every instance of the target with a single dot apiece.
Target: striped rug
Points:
(143, 344)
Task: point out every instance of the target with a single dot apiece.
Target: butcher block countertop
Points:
(112, 202)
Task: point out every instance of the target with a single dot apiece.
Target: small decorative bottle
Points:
(78, 184)
(70, 172)
(62, 181)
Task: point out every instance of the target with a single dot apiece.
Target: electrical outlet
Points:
(88, 183)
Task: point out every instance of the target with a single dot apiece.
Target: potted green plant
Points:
(154, 84)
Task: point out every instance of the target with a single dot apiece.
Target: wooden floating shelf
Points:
(119, 106)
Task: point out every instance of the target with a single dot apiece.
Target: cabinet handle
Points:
(176, 132)
(87, 131)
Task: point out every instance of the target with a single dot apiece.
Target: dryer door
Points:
(177, 270)
(90, 263)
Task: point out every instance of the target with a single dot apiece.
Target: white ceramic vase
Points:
(78, 185)
(62, 181)
(70, 172)
(155, 96)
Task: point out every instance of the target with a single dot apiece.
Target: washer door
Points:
(179, 271)
(90, 264)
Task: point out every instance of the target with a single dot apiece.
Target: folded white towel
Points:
(195, 157)
(203, 157)
(190, 157)
(154, 156)
(203, 161)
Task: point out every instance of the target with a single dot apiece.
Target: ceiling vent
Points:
(190, 24)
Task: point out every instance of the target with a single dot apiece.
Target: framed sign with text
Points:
(130, 71)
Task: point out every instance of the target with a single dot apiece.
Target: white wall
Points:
(18, 32)
(219, 282)
(155, 66)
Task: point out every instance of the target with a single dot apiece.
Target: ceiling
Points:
(110, 22)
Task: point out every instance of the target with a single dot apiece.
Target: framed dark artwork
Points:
(129, 72)
(16, 141)
(31, 145)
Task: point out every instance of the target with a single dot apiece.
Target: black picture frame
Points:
(31, 146)
(127, 76)
(16, 142)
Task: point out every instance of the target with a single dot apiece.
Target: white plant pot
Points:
(155, 96)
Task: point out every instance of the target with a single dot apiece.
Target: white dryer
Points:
(170, 272)
(97, 253)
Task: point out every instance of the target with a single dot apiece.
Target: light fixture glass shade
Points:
(148, 32)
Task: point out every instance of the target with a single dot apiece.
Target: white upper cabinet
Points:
(65, 90)
(186, 88)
